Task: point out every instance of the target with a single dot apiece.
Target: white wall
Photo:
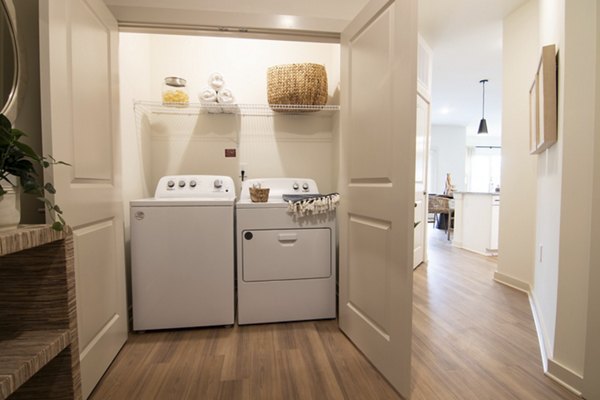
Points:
(134, 75)
(579, 46)
(447, 153)
(564, 192)
(591, 388)
(519, 168)
(268, 146)
(545, 284)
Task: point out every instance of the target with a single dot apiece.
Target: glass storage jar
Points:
(174, 92)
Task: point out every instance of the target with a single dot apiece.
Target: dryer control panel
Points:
(278, 187)
(195, 186)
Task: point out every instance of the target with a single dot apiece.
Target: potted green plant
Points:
(17, 167)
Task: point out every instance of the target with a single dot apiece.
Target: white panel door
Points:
(422, 137)
(78, 57)
(377, 184)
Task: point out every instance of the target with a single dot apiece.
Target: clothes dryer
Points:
(286, 263)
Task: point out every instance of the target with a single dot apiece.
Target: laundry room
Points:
(180, 137)
(159, 140)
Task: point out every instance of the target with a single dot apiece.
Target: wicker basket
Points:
(259, 195)
(297, 84)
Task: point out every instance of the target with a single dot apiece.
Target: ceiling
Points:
(465, 36)
(466, 39)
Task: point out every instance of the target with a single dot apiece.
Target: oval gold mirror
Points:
(10, 70)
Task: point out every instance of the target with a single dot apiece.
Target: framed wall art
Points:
(543, 103)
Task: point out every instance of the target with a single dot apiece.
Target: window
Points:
(483, 168)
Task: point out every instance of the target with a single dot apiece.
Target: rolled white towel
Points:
(226, 98)
(207, 95)
(216, 81)
(208, 98)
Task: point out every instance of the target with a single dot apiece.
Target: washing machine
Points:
(286, 263)
(182, 253)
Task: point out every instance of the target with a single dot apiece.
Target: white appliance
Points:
(182, 253)
(286, 264)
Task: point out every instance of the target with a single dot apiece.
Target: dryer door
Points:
(286, 254)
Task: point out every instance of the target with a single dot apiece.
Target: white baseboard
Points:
(552, 369)
(539, 328)
(564, 376)
(512, 282)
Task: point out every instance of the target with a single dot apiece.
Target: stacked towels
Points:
(216, 97)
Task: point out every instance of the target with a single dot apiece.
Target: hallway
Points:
(472, 339)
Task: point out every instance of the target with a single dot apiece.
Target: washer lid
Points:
(270, 204)
(182, 202)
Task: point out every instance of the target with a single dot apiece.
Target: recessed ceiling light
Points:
(445, 110)
(287, 21)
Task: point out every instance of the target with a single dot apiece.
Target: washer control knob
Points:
(218, 183)
(193, 184)
(305, 187)
(170, 184)
(296, 186)
(181, 183)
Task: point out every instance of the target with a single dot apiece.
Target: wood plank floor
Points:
(472, 339)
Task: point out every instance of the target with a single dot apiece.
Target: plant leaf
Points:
(57, 226)
(50, 188)
(27, 150)
(5, 122)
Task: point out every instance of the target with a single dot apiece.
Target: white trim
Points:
(156, 19)
(514, 283)
(564, 376)
(544, 345)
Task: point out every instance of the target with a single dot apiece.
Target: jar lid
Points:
(174, 81)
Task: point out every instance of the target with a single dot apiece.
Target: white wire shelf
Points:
(192, 109)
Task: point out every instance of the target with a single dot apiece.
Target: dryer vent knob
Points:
(181, 184)
(170, 184)
(305, 186)
(218, 183)
(296, 186)
(193, 184)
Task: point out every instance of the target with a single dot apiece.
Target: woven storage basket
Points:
(297, 84)
(259, 195)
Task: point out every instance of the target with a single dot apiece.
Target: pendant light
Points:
(483, 123)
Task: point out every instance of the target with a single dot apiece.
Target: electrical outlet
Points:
(540, 253)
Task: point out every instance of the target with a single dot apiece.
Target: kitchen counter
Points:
(476, 216)
(484, 193)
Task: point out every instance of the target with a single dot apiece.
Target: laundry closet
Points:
(159, 140)
(102, 112)
(192, 141)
